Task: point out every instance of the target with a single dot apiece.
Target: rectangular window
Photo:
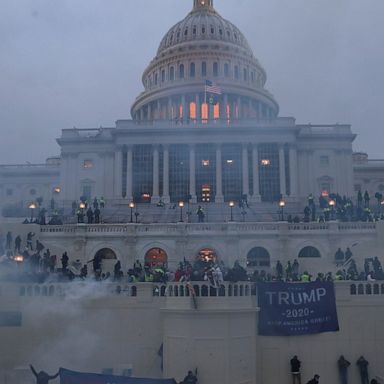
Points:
(87, 192)
(87, 164)
(324, 160)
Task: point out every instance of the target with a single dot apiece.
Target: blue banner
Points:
(72, 377)
(288, 309)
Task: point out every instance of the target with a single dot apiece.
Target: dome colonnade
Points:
(202, 47)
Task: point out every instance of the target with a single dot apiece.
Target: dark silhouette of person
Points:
(295, 370)
(190, 378)
(362, 363)
(8, 240)
(29, 240)
(200, 214)
(315, 380)
(90, 215)
(97, 213)
(43, 377)
(343, 365)
(17, 244)
(64, 261)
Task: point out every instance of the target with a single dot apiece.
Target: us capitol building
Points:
(204, 132)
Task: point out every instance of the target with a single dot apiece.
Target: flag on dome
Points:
(211, 87)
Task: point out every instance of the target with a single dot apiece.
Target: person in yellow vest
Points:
(305, 277)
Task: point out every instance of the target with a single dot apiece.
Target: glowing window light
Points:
(265, 162)
(181, 112)
(216, 111)
(204, 111)
(205, 163)
(192, 110)
(230, 161)
(88, 164)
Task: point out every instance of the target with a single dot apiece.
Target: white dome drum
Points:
(202, 49)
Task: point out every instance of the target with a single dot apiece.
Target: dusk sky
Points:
(66, 63)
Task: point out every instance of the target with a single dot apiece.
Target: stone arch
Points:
(258, 257)
(309, 252)
(156, 257)
(106, 254)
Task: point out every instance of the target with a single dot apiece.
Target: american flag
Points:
(211, 87)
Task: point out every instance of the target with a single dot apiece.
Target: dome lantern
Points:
(199, 4)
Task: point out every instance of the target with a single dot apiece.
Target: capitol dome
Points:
(204, 48)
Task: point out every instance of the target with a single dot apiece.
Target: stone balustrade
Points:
(175, 290)
(192, 228)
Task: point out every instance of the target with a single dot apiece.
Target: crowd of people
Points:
(332, 206)
(39, 263)
(342, 366)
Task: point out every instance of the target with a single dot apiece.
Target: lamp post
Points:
(80, 218)
(131, 206)
(332, 204)
(231, 205)
(181, 206)
(32, 207)
(282, 205)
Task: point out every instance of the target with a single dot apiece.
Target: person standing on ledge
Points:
(343, 365)
(42, 377)
(295, 370)
(362, 363)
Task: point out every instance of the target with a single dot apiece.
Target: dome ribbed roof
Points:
(203, 24)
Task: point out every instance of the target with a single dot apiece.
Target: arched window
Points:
(215, 69)
(192, 70)
(203, 69)
(226, 70)
(309, 252)
(245, 74)
(181, 71)
(236, 72)
(258, 257)
(171, 73)
(156, 257)
(163, 75)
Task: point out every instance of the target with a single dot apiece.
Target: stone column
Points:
(239, 111)
(166, 198)
(118, 174)
(224, 108)
(158, 110)
(129, 194)
(184, 107)
(142, 113)
(256, 177)
(245, 170)
(192, 174)
(149, 112)
(219, 177)
(260, 110)
(156, 177)
(198, 108)
(169, 113)
(293, 168)
(283, 188)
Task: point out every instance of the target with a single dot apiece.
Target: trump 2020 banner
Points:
(72, 377)
(288, 309)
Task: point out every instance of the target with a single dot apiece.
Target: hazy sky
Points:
(66, 63)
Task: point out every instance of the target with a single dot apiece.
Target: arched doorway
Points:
(104, 260)
(156, 257)
(205, 258)
(258, 257)
(106, 254)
